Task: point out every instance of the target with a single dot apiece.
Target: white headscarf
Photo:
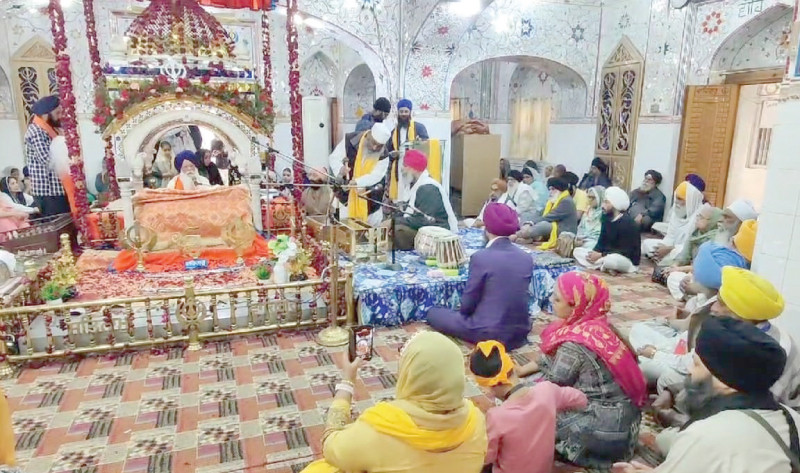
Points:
(681, 228)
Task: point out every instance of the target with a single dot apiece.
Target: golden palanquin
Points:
(204, 212)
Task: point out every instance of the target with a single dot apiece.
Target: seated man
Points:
(661, 344)
(497, 194)
(317, 196)
(428, 204)
(732, 218)
(734, 367)
(617, 249)
(739, 253)
(748, 297)
(648, 202)
(522, 196)
(559, 216)
(597, 175)
(187, 163)
(494, 305)
(687, 203)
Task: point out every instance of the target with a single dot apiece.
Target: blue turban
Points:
(710, 260)
(186, 156)
(45, 105)
(696, 181)
(405, 103)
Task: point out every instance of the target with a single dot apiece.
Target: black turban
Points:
(516, 175)
(45, 105)
(655, 175)
(571, 178)
(600, 164)
(740, 355)
(558, 184)
(383, 105)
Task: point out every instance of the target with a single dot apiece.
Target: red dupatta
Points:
(588, 326)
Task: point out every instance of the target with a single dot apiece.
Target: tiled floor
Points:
(248, 405)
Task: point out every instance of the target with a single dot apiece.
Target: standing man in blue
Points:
(494, 305)
(380, 110)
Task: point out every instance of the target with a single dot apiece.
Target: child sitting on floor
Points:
(522, 430)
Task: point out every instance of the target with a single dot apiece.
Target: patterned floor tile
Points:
(248, 404)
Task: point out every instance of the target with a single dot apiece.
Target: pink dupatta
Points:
(588, 326)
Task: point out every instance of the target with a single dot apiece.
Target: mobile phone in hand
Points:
(361, 338)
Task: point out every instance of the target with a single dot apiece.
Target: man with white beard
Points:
(187, 163)
(732, 218)
(688, 201)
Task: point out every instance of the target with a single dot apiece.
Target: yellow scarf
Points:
(412, 135)
(391, 420)
(553, 241)
(358, 208)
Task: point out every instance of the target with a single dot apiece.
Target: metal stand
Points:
(334, 335)
(393, 266)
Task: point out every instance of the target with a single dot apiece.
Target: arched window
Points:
(34, 76)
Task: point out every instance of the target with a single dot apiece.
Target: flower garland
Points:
(266, 50)
(246, 99)
(68, 121)
(99, 80)
(295, 99)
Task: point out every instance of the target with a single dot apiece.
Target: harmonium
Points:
(354, 237)
(42, 237)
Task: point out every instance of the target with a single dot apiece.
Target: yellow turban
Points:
(748, 295)
(680, 191)
(745, 239)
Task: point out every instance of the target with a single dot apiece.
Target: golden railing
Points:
(183, 317)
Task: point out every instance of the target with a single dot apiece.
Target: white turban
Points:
(743, 210)
(381, 133)
(618, 198)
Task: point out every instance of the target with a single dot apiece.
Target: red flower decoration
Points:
(443, 30)
(424, 106)
(427, 71)
(712, 22)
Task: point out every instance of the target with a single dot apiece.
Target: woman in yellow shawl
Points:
(7, 441)
(429, 428)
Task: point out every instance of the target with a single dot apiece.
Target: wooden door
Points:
(709, 120)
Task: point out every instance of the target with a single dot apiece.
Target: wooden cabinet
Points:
(475, 161)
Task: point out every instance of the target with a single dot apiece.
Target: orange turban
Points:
(745, 239)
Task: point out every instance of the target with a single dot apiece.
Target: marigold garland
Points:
(247, 99)
(295, 98)
(69, 122)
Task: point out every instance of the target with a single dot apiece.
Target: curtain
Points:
(530, 126)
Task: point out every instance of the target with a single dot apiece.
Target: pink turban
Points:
(416, 160)
(500, 219)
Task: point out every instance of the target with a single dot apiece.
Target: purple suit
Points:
(494, 305)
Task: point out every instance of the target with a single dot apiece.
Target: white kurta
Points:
(730, 442)
(425, 179)
(188, 183)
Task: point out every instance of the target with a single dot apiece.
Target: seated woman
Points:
(588, 228)
(559, 216)
(11, 219)
(706, 228)
(584, 351)
(189, 178)
(497, 194)
(13, 196)
(429, 428)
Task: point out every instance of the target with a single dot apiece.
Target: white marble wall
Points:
(777, 252)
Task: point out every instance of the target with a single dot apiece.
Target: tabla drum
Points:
(425, 241)
(450, 252)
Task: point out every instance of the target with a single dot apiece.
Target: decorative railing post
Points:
(190, 315)
(333, 335)
(5, 368)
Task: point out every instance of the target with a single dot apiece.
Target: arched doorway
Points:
(359, 93)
